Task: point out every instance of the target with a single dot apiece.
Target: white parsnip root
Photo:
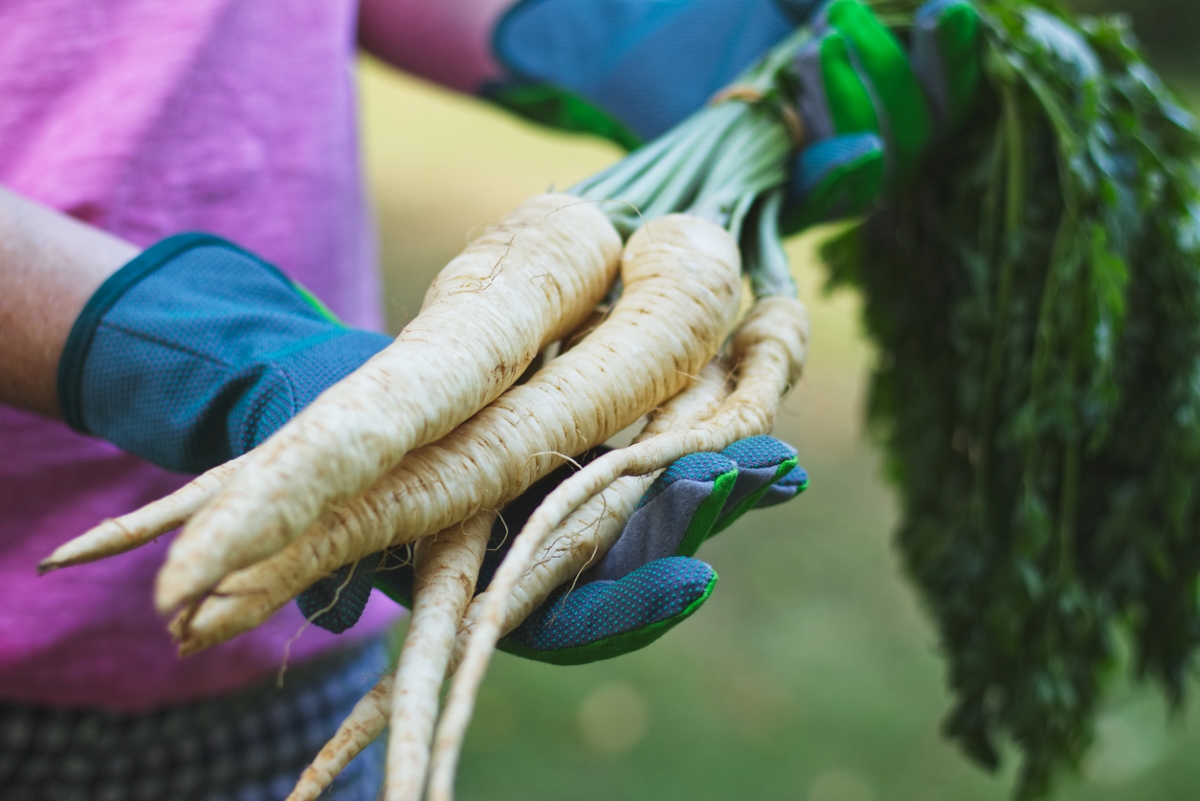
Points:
(120, 534)
(769, 351)
(525, 282)
(361, 727)
(447, 566)
(682, 284)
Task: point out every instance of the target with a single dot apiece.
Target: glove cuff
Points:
(79, 342)
(194, 351)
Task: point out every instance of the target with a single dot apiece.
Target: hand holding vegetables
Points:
(871, 114)
(610, 611)
(629, 71)
(868, 112)
(647, 582)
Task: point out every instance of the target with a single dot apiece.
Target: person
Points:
(134, 351)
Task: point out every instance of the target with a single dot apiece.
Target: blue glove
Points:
(871, 111)
(196, 351)
(631, 69)
(644, 586)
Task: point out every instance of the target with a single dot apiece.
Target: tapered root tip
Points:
(50, 564)
(111, 538)
(189, 647)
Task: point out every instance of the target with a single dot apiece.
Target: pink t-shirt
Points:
(148, 118)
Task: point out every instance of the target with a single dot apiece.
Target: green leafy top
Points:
(1035, 298)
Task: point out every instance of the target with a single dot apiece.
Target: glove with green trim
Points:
(870, 110)
(196, 351)
(630, 69)
(648, 582)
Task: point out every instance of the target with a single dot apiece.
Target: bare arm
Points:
(444, 41)
(50, 264)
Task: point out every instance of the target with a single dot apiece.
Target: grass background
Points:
(812, 672)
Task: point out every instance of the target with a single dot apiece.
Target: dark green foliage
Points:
(1035, 300)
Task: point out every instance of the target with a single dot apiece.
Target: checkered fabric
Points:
(251, 746)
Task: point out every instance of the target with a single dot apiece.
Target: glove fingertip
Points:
(336, 602)
(834, 179)
(945, 58)
(785, 489)
(605, 619)
(761, 451)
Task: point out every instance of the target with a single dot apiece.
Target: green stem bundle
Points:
(718, 164)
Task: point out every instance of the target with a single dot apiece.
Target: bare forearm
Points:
(50, 264)
(445, 41)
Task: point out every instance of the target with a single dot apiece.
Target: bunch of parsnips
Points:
(428, 439)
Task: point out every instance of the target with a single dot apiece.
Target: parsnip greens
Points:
(1035, 299)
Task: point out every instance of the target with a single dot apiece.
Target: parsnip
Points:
(682, 282)
(360, 728)
(447, 566)
(120, 534)
(525, 282)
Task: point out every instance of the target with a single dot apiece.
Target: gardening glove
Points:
(630, 69)
(196, 351)
(870, 111)
(647, 583)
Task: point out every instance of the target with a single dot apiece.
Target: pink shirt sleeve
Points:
(448, 42)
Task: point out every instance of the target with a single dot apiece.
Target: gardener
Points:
(127, 122)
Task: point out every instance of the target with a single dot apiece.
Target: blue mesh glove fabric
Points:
(647, 584)
(630, 69)
(196, 351)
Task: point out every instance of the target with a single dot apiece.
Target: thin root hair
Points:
(287, 646)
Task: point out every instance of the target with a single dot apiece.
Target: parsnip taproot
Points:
(682, 283)
(361, 727)
(768, 350)
(446, 568)
(120, 534)
(525, 282)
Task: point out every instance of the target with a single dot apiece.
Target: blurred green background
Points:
(812, 673)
